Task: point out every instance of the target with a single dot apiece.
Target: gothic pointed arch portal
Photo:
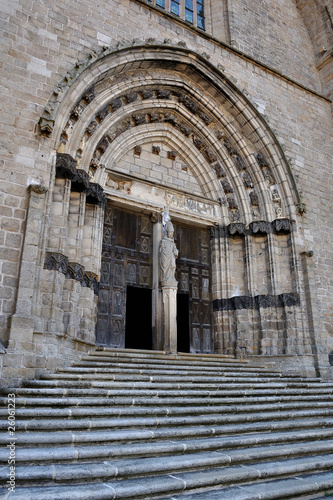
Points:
(148, 127)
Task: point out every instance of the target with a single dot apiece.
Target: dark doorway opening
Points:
(138, 330)
(183, 322)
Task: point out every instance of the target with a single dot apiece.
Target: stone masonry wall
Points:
(274, 33)
(42, 41)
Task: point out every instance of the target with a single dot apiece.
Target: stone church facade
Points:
(217, 113)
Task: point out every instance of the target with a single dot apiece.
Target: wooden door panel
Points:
(194, 277)
(126, 260)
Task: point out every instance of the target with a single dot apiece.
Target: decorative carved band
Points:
(55, 261)
(66, 167)
(257, 228)
(257, 302)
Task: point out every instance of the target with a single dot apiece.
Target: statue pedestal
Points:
(169, 295)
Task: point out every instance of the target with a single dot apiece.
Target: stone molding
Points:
(55, 261)
(66, 167)
(257, 302)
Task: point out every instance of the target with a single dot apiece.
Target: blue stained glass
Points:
(160, 3)
(201, 22)
(175, 7)
(189, 4)
(189, 16)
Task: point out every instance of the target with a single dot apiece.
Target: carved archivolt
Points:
(247, 171)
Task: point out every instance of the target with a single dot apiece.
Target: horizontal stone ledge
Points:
(257, 302)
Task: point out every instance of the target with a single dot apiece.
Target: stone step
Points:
(140, 424)
(87, 367)
(136, 467)
(215, 394)
(230, 413)
(253, 447)
(64, 437)
(244, 423)
(178, 483)
(149, 401)
(153, 363)
(222, 383)
(179, 356)
(199, 379)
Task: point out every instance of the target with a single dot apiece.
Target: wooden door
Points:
(126, 261)
(194, 279)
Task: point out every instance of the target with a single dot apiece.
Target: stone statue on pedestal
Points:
(168, 254)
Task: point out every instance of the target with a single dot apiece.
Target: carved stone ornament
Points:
(172, 155)
(239, 162)
(210, 156)
(147, 94)
(257, 302)
(116, 104)
(226, 186)
(232, 204)
(282, 225)
(218, 170)
(254, 199)
(75, 271)
(276, 196)
(66, 167)
(55, 261)
(301, 208)
(163, 94)
(236, 228)
(80, 180)
(156, 150)
(37, 188)
(289, 299)
(90, 281)
(188, 103)
(168, 253)
(96, 192)
(137, 150)
(243, 302)
(131, 97)
(260, 157)
(247, 180)
(139, 119)
(260, 226)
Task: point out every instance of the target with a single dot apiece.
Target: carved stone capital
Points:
(260, 226)
(237, 228)
(55, 261)
(90, 281)
(75, 271)
(282, 225)
(96, 192)
(65, 165)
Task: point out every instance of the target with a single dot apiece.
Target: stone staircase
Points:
(124, 424)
